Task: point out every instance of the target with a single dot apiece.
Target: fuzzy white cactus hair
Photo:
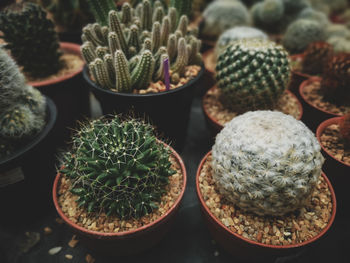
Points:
(266, 162)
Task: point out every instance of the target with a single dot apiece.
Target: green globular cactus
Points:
(267, 163)
(340, 44)
(118, 167)
(252, 74)
(183, 7)
(301, 33)
(32, 39)
(143, 45)
(295, 6)
(100, 10)
(222, 15)
(312, 14)
(22, 108)
(271, 11)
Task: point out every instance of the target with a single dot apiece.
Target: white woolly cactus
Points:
(266, 162)
(222, 15)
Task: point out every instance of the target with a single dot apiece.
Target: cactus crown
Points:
(118, 167)
(129, 53)
(252, 74)
(266, 162)
(315, 57)
(336, 79)
(32, 39)
(345, 128)
(22, 108)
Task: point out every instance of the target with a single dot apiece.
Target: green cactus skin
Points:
(252, 74)
(271, 11)
(134, 39)
(126, 14)
(122, 72)
(118, 167)
(142, 74)
(100, 10)
(31, 38)
(318, 16)
(183, 7)
(266, 162)
(301, 33)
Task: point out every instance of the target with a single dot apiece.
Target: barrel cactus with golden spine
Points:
(266, 162)
(252, 74)
(118, 167)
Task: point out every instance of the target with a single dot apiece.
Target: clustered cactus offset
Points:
(316, 57)
(31, 38)
(252, 74)
(266, 162)
(22, 108)
(129, 53)
(118, 167)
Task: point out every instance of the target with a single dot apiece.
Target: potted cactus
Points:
(328, 96)
(52, 67)
(251, 74)
(310, 63)
(334, 137)
(119, 187)
(27, 119)
(127, 69)
(259, 187)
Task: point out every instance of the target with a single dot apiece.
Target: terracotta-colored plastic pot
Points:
(215, 127)
(313, 115)
(297, 76)
(127, 242)
(246, 249)
(338, 171)
(69, 93)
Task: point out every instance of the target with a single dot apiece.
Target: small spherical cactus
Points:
(118, 167)
(340, 44)
(222, 15)
(295, 6)
(271, 11)
(344, 126)
(252, 74)
(312, 14)
(266, 162)
(301, 33)
(315, 57)
(238, 33)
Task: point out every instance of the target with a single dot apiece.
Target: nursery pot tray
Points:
(246, 249)
(26, 174)
(169, 110)
(126, 242)
(69, 94)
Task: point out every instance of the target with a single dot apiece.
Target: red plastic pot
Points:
(313, 115)
(297, 76)
(215, 127)
(69, 93)
(127, 242)
(338, 170)
(246, 249)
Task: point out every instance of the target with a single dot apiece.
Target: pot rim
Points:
(220, 224)
(320, 129)
(132, 95)
(300, 73)
(301, 89)
(51, 111)
(219, 126)
(69, 48)
(100, 235)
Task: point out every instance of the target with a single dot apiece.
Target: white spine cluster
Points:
(266, 162)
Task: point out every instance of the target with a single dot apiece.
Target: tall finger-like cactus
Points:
(100, 9)
(183, 7)
(31, 38)
(143, 45)
(118, 167)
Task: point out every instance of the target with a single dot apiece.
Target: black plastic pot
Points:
(27, 175)
(169, 110)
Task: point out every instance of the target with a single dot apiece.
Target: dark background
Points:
(189, 240)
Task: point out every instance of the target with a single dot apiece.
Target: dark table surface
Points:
(188, 241)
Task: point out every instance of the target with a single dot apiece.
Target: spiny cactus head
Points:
(266, 162)
(344, 126)
(252, 74)
(312, 14)
(271, 11)
(316, 56)
(118, 166)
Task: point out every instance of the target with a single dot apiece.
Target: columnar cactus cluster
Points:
(336, 80)
(22, 108)
(301, 33)
(31, 38)
(266, 162)
(315, 57)
(345, 128)
(222, 15)
(129, 53)
(183, 7)
(252, 74)
(100, 10)
(118, 167)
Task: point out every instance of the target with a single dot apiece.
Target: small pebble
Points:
(55, 250)
(47, 230)
(68, 256)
